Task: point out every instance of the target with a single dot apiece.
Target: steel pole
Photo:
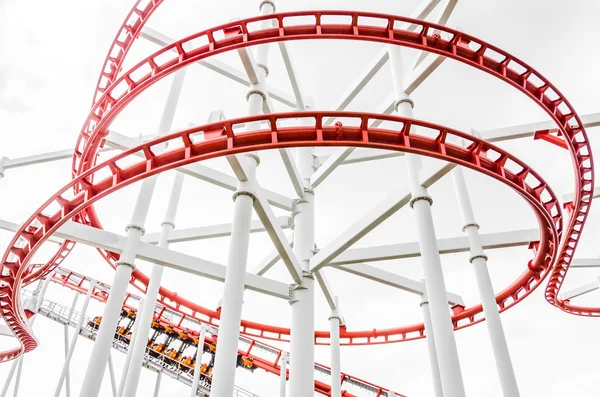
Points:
(146, 314)
(302, 355)
(157, 384)
(506, 373)
(433, 361)
(233, 291)
(124, 267)
(127, 364)
(65, 369)
(66, 329)
(111, 373)
(198, 363)
(443, 331)
(282, 373)
(336, 375)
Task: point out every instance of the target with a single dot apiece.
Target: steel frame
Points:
(553, 248)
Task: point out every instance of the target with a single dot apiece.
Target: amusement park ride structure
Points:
(174, 336)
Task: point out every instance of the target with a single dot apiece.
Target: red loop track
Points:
(361, 26)
(481, 156)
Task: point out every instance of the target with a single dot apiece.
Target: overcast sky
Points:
(50, 57)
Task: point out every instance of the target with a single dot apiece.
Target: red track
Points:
(80, 283)
(452, 44)
(480, 156)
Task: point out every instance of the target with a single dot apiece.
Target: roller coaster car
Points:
(156, 349)
(171, 356)
(187, 363)
(245, 362)
(95, 323)
(212, 348)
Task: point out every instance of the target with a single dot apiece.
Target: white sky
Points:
(50, 57)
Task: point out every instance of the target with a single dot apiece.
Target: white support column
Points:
(447, 352)
(233, 291)
(504, 366)
(18, 379)
(65, 369)
(336, 376)
(126, 264)
(198, 363)
(283, 373)
(433, 361)
(68, 375)
(145, 315)
(11, 373)
(128, 358)
(66, 332)
(157, 384)
(111, 373)
(302, 355)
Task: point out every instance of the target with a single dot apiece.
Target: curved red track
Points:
(452, 44)
(481, 156)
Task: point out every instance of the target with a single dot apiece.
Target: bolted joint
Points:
(263, 67)
(404, 100)
(468, 225)
(307, 274)
(243, 193)
(131, 265)
(254, 157)
(136, 227)
(257, 92)
(264, 2)
(484, 257)
(426, 198)
(168, 223)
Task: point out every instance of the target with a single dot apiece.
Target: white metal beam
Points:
(202, 172)
(496, 135)
(585, 263)
(429, 174)
(581, 290)
(445, 245)
(290, 166)
(393, 280)
(569, 197)
(272, 258)
(326, 289)
(175, 260)
(212, 231)
(265, 213)
(221, 68)
(13, 227)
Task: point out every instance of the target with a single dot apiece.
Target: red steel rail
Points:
(268, 362)
(361, 26)
(221, 138)
(367, 27)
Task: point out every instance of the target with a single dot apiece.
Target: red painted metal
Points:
(428, 37)
(108, 177)
(448, 42)
(64, 277)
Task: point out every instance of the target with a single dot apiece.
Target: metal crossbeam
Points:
(585, 263)
(272, 258)
(113, 242)
(14, 227)
(202, 172)
(393, 280)
(326, 289)
(429, 174)
(581, 290)
(265, 213)
(221, 68)
(496, 135)
(445, 245)
(208, 232)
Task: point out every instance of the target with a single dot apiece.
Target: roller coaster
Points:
(171, 334)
